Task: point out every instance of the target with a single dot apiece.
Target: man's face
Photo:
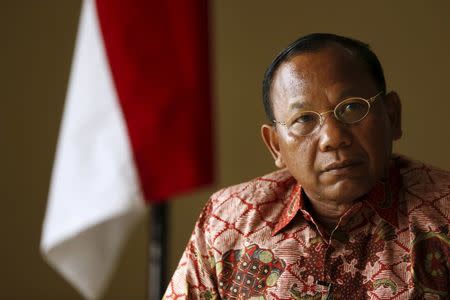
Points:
(337, 162)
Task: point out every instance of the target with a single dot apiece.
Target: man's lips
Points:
(342, 165)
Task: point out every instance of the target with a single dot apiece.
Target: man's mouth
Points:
(342, 166)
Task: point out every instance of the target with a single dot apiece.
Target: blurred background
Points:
(411, 38)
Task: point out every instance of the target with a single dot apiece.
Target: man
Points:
(344, 218)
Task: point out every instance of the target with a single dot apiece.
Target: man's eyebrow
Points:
(348, 93)
(300, 104)
(297, 105)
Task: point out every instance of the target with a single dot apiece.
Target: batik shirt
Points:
(256, 240)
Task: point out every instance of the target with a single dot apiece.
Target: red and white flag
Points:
(136, 129)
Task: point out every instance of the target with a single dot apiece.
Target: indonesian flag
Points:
(136, 129)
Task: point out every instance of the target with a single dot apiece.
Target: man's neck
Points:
(327, 213)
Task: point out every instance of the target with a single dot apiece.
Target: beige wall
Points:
(412, 39)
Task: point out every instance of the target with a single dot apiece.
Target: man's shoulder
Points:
(418, 175)
(425, 197)
(426, 193)
(262, 197)
(259, 189)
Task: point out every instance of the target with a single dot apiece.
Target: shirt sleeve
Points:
(195, 276)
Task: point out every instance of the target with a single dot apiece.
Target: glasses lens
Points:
(352, 110)
(304, 123)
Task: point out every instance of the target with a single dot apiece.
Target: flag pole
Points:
(157, 250)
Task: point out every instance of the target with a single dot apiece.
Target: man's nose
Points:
(333, 134)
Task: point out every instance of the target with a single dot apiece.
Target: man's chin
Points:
(346, 190)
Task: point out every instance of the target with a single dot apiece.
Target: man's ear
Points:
(270, 138)
(394, 111)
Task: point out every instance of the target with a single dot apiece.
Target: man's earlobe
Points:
(394, 110)
(270, 138)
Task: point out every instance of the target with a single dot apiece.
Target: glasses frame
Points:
(321, 115)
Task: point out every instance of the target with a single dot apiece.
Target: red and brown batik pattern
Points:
(248, 272)
(256, 241)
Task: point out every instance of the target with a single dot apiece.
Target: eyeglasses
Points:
(348, 111)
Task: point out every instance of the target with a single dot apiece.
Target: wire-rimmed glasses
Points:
(348, 111)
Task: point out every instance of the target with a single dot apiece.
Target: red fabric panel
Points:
(158, 53)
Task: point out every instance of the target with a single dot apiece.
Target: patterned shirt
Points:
(256, 240)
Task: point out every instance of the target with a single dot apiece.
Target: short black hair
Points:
(314, 42)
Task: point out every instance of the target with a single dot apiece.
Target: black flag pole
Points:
(157, 250)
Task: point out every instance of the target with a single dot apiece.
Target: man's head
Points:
(337, 162)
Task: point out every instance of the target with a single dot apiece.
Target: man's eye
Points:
(353, 106)
(306, 118)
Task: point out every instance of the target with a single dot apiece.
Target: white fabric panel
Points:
(95, 196)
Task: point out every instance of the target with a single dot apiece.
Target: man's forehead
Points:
(332, 67)
(290, 79)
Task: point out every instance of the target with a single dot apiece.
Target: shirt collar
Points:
(291, 208)
(383, 199)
